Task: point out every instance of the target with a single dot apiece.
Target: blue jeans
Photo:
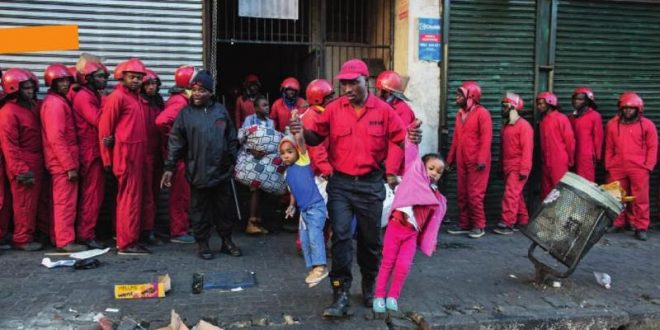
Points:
(311, 233)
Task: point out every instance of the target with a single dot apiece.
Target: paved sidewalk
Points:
(484, 283)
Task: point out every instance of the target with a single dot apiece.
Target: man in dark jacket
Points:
(207, 136)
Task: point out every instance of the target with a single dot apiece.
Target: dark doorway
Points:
(270, 62)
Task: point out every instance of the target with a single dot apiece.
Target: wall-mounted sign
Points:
(430, 39)
(281, 9)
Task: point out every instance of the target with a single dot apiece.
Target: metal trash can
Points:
(571, 219)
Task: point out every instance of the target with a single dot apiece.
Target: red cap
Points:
(352, 69)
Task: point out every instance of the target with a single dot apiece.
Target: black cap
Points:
(203, 78)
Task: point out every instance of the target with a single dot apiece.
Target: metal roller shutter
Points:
(611, 47)
(164, 34)
(492, 42)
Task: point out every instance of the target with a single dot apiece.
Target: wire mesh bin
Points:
(571, 220)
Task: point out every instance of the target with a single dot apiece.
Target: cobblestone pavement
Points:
(484, 283)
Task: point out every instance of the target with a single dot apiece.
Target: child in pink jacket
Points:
(414, 220)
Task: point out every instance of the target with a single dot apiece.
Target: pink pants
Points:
(399, 248)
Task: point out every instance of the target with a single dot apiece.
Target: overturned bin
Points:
(571, 220)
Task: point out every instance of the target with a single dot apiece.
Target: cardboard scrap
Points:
(177, 324)
(155, 289)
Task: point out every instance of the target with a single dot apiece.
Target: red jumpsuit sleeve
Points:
(321, 126)
(485, 137)
(275, 115)
(318, 154)
(165, 118)
(569, 140)
(651, 145)
(54, 129)
(598, 136)
(396, 134)
(9, 137)
(609, 145)
(527, 141)
(454, 141)
(107, 124)
(84, 106)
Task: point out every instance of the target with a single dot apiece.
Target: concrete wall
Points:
(423, 86)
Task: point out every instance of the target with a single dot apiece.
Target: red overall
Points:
(244, 108)
(154, 167)
(318, 155)
(588, 130)
(470, 146)
(631, 151)
(61, 154)
(125, 118)
(87, 109)
(20, 137)
(179, 200)
(557, 149)
(280, 113)
(516, 159)
(404, 111)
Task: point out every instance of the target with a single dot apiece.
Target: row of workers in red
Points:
(572, 142)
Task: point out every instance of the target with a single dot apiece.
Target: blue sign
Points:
(430, 39)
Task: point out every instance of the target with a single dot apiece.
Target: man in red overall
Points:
(588, 129)
(631, 152)
(87, 103)
(390, 89)
(179, 200)
(517, 145)
(245, 103)
(280, 111)
(557, 142)
(61, 155)
(20, 138)
(470, 152)
(123, 134)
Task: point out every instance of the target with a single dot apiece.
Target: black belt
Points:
(371, 176)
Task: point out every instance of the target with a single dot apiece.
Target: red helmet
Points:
(90, 68)
(119, 70)
(471, 90)
(632, 100)
(290, 83)
(586, 91)
(133, 64)
(183, 75)
(318, 90)
(151, 75)
(12, 78)
(251, 78)
(56, 71)
(389, 81)
(514, 99)
(73, 72)
(549, 98)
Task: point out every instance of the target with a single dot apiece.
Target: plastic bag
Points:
(387, 204)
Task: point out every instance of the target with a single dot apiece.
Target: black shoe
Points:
(641, 235)
(72, 248)
(149, 238)
(32, 246)
(135, 250)
(93, 244)
(457, 230)
(614, 229)
(230, 248)
(368, 293)
(503, 229)
(204, 251)
(339, 306)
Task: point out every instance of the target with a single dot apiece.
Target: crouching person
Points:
(204, 136)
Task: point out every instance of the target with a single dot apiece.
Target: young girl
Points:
(306, 195)
(259, 118)
(414, 221)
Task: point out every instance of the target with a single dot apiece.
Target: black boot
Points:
(230, 248)
(368, 292)
(204, 251)
(340, 301)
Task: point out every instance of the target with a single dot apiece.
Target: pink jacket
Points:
(415, 190)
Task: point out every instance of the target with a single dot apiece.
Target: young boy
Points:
(259, 118)
(306, 196)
